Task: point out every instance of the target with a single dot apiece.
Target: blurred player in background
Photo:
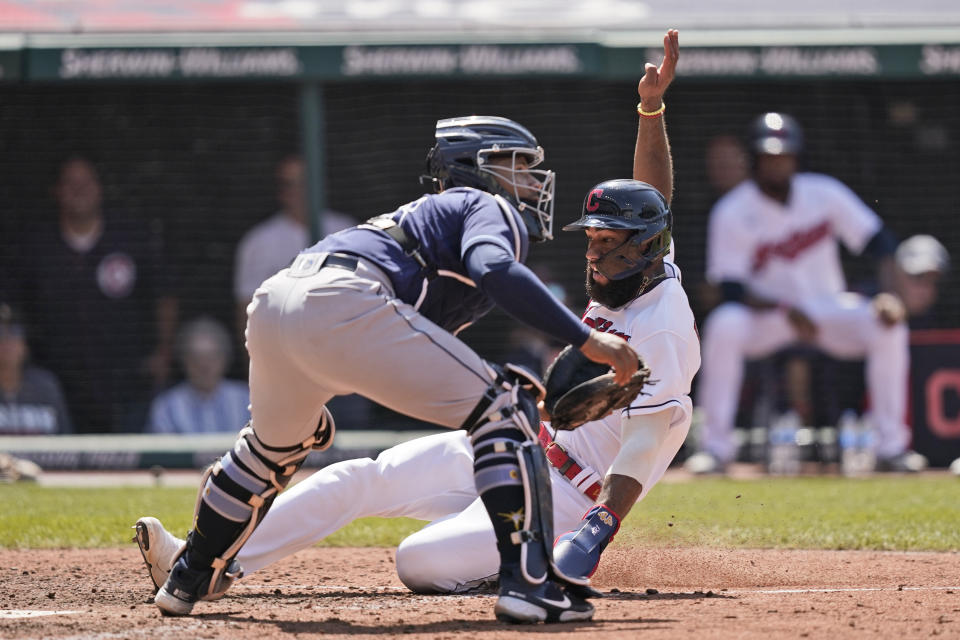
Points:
(773, 251)
(374, 310)
(600, 469)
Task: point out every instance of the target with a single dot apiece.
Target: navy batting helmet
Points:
(633, 205)
(775, 134)
(461, 157)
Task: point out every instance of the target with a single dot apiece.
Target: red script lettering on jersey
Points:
(789, 248)
(605, 326)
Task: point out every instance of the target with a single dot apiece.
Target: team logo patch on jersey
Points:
(605, 326)
(116, 275)
(605, 518)
(791, 246)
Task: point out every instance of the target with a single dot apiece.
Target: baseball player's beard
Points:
(776, 189)
(615, 293)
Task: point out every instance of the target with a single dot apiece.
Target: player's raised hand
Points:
(656, 79)
(614, 351)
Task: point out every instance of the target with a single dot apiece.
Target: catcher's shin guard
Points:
(235, 496)
(512, 475)
(535, 539)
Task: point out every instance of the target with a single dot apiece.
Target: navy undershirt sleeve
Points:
(882, 244)
(731, 291)
(518, 291)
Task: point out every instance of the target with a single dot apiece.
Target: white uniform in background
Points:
(432, 478)
(789, 253)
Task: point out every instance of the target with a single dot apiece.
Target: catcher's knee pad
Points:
(237, 492)
(509, 402)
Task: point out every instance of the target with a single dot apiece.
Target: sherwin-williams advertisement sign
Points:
(481, 60)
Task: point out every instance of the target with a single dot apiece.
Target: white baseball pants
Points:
(429, 479)
(848, 329)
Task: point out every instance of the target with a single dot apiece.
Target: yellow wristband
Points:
(651, 114)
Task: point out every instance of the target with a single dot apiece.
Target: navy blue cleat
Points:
(185, 585)
(182, 589)
(523, 603)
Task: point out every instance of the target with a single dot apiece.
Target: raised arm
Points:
(652, 162)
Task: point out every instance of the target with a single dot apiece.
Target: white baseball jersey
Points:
(659, 325)
(787, 252)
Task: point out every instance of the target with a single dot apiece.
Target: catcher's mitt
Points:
(580, 390)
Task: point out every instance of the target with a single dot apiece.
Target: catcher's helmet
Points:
(634, 205)
(775, 134)
(460, 159)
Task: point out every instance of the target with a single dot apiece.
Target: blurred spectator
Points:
(272, 244)
(205, 402)
(921, 262)
(31, 402)
(727, 163)
(773, 252)
(97, 293)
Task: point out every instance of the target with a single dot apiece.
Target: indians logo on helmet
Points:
(593, 202)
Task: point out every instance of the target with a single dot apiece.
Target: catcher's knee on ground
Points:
(236, 494)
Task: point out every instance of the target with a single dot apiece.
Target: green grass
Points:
(41, 517)
(883, 513)
(889, 513)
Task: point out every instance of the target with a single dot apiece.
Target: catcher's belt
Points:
(569, 468)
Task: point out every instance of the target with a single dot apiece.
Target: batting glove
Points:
(577, 552)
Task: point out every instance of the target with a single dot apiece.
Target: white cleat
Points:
(159, 548)
(702, 463)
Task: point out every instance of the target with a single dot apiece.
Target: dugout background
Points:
(196, 162)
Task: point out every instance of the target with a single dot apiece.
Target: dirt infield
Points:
(354, 593)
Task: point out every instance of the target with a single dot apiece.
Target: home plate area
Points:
(354, 593)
